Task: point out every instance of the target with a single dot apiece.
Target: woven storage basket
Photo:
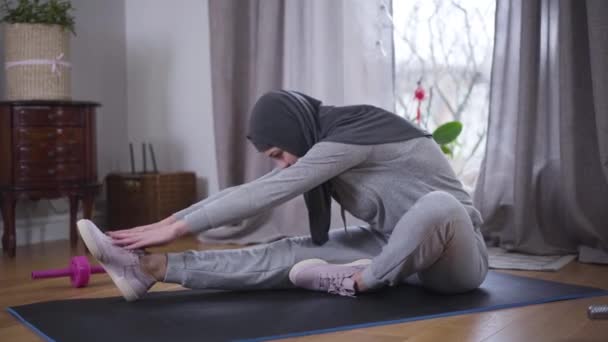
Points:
(139, 199)
(42, 53)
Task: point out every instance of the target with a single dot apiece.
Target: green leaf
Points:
(54, 12)
(445, 149)
(447, 132)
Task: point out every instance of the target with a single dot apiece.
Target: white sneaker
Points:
(121, 264)
(319, 275)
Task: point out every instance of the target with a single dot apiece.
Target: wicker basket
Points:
(37, 62)
(138, 199)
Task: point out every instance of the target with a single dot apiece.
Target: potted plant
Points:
(37, 49)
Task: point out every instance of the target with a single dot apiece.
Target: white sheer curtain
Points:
(339, 51)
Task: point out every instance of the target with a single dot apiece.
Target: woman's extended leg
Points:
(267, 266)
(259, 267)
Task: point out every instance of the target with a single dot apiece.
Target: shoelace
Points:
(335, 284)
(133, 254)
(137, 254)
(145, 279)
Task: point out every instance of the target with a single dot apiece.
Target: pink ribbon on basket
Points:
(54, 63)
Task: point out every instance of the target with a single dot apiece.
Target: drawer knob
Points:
(51, 171)
(54, 115)
(55, 133)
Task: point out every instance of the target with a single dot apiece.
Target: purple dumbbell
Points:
(79, 272)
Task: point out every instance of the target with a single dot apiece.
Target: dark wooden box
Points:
(144, 198)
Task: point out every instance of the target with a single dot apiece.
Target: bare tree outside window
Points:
(447, 45)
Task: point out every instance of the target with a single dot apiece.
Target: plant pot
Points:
(37, 62)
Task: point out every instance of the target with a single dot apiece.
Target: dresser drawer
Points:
(45, 172)
(49, 152)
(48, 116)
(35, 135)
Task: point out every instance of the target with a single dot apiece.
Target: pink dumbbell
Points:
(79, 272)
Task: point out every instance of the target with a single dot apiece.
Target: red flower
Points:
(419, 95)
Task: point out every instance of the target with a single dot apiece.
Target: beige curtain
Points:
(543, 188)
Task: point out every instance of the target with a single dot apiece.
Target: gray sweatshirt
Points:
(375, 183)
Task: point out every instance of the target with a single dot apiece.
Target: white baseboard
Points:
(44, 229)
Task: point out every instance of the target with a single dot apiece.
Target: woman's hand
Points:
(141, 238)
(127, 232)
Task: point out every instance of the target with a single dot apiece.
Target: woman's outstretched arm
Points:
(171, 225)
(323, 162)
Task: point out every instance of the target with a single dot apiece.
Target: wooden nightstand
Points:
(47, 150)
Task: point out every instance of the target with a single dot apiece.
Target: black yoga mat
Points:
(261, 315)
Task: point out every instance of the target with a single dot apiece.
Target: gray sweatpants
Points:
(434, 244)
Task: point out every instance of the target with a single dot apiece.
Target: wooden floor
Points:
(562, 321)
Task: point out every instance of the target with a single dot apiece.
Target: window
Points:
(447, 45)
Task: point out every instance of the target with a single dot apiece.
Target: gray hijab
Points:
(295, 122)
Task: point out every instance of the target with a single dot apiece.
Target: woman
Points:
(422, 225)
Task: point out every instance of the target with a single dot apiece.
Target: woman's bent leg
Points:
(436, 240)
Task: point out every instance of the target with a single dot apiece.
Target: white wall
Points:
(169, 85)
(99, 74)
(151, 72)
